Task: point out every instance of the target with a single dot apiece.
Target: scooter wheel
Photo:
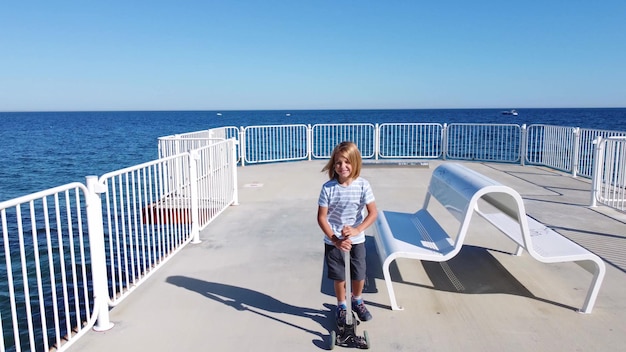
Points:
(333, 339)
(367, 339)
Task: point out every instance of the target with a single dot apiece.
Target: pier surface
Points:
(257, 281)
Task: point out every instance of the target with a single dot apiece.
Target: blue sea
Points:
(40, 150)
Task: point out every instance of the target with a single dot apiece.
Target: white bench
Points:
(464, 192)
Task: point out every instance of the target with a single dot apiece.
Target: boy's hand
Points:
(348, 231)
(345, 244)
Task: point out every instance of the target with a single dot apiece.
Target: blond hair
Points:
(348, 150)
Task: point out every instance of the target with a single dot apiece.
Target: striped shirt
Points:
(346, 205)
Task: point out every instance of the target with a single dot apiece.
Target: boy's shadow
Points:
(243, 299)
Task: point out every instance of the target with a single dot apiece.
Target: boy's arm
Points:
(322, 220)
(372, 214)
(322, 216)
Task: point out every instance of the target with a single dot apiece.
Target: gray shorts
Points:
(335, 265)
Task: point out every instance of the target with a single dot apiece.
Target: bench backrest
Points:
(459, 190)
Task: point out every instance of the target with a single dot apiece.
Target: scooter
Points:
(346, 335)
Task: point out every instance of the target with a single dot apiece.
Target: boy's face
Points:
(343, 168)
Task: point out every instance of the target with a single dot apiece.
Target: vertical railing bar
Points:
(42, 310)
(29, 321)
(83, 262)
(9, 262)
(128, 232)
(68, 217)
(51, 271)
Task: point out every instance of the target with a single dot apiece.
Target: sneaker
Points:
(340, 314)
(361, 310)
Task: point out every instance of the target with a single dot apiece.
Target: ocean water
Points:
(40, 150)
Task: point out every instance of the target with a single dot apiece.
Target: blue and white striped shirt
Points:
(346, 205)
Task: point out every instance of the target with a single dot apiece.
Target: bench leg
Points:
(598, 270)
(392, 295)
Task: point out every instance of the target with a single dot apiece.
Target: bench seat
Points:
(414, 236)
(548, 245)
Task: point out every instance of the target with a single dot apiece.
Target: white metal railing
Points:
(551, 146)
(46, 258)
(146, 211)
(216, 180)
(325, 137)
(567, 149)
(486, 142)
(181, 143)
(564, 148)
(274, 143)
(70, 252)
(585, 155)
(154, 209)
(609, 182)
(410, 140)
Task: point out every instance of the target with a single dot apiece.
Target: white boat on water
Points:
(510, 112)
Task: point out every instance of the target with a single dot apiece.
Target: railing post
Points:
(233, 165)
(523, 145)
(309, 142)
(97, 252)
(242, 145)
(160, 142)
(376, 141)
(576, 152)
(177, 138)
(444, 141)
(194, 158)
(596, 173)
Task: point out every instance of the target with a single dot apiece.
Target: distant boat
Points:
(287, 114)
(510, 112)
(219, 114)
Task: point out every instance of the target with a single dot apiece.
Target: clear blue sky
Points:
(297, 54)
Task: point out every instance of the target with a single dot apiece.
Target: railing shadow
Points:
(246, 300)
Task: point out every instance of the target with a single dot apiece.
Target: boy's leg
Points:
(357, 287)
(357, 302)
(359, 272)
(340, 294)
(340, 290)
(335, 268)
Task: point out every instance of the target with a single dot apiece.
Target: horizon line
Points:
(300, 109)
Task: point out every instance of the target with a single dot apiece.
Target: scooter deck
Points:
(346, 336)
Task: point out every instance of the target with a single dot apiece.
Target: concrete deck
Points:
(256, 282)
